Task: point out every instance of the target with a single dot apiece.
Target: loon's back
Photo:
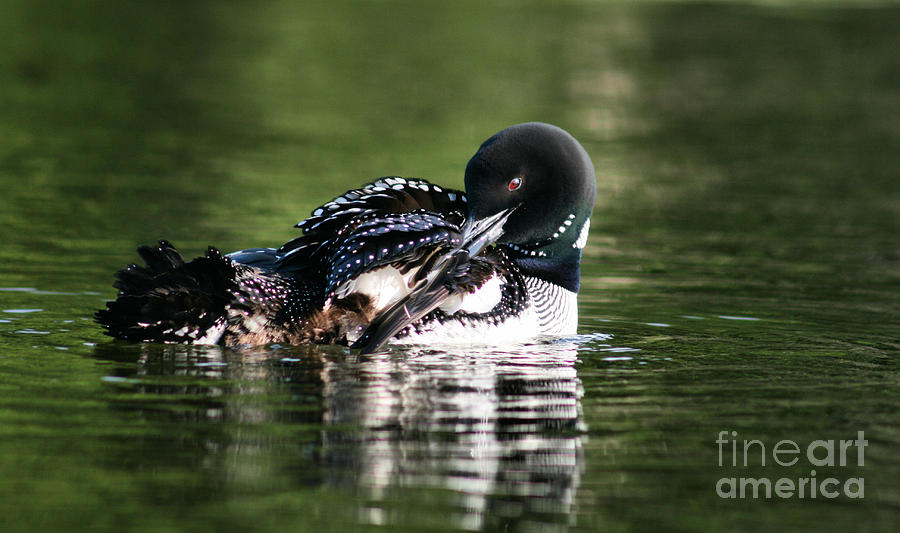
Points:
(321, 287)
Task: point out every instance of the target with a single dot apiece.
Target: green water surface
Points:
(742, 275)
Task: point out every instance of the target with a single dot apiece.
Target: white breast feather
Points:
(384, 286)
(482, 300)
(477, 332)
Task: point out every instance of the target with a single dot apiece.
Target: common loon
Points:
(398, 259)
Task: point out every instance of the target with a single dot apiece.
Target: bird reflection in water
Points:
(503, 430)
(483, 438)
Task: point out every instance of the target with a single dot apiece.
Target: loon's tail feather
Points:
(169, 300)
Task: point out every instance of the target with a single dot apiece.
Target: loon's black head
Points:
(546, 173)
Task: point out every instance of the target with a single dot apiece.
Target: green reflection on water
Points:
(747, 157)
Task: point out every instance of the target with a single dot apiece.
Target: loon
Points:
(397, 260)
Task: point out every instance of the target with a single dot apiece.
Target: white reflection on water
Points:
(503, 430)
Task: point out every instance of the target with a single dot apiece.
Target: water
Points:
(743, 272)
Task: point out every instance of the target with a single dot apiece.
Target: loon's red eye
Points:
(514, 184)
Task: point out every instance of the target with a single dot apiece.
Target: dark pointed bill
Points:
(480, 233)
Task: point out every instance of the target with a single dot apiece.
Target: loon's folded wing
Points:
(424, 299)
(449, 274)
(366, 249)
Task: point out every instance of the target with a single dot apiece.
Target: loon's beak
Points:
(482, 232)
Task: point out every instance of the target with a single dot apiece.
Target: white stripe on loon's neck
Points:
(557, 259)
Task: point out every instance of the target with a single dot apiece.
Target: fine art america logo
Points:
(787, 453)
